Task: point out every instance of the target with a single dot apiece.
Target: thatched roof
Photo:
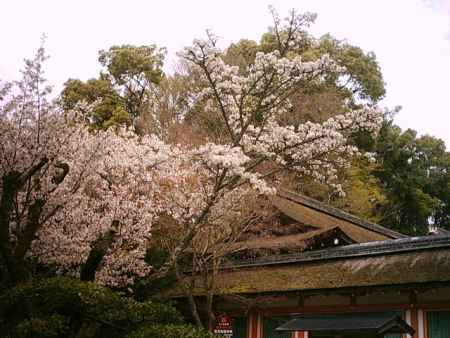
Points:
(296, 223)
(406, 268)
(311, 240)
(395, 262)
(309, 211)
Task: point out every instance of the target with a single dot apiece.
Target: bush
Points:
(61, 307)
(171, 331)
(52, 326)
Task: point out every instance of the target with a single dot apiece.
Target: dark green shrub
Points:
(52, 326)
(171, 331)
(53, 307)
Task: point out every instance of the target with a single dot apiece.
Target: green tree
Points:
(361, 78)
(415, 172)
(407, 188)
(242, 53)
(101, 105)
(124, 89)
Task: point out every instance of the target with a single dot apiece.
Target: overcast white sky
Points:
(411, 39)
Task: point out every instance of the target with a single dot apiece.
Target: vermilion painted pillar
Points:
(415, 322)
(253, 325)
(421, 323)
(300, 334)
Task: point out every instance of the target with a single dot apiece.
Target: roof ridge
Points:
(304, 236)
(338, 213)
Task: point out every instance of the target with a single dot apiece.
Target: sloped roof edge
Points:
(353, 250)
(375, 323)
(340, 214)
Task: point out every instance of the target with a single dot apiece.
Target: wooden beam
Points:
(300, 300)
(413, 298)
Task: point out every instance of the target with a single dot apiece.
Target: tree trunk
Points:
(12, 182)
(10, 187)
(190, 297)
(98, 251)
(210, 279)
(209, 309)
(31, 229)
(194, 311)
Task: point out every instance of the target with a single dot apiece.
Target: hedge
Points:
(171, 331)
(61, 307)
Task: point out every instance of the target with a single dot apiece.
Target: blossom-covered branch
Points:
(251, 103)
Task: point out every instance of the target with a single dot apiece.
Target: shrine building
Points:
(331, 274)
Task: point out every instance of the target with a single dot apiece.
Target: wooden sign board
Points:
(224, 326)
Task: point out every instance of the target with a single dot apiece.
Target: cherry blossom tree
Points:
(256, 148)
(72, 198)
(86, 202)
(83, 201)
